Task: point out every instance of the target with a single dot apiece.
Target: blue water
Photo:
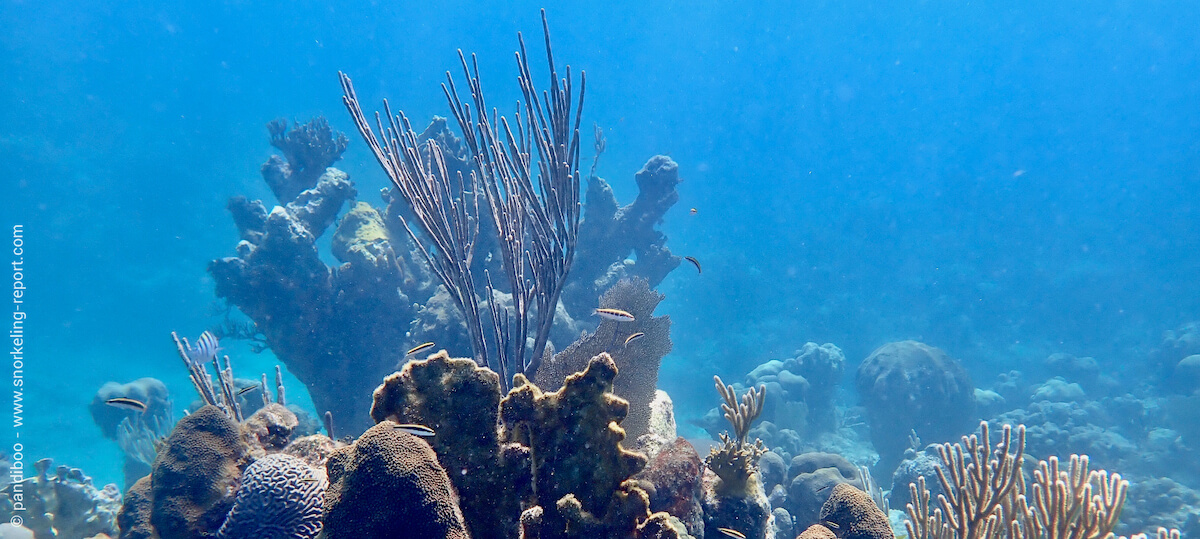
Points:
(1001, 180)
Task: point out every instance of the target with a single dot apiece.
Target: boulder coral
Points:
(389, 484)
(196, 473)
(910, 386)
(852, 514)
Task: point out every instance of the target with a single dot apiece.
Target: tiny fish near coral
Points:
(634, 337)
(694, 262)
(416, 430)
(418, 348)
(732, 533)
(205, 349)
(616, 315)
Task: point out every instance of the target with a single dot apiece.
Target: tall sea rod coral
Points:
(536, 226)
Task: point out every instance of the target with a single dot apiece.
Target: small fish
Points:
(732, 533)
(418, 348)
(634, 337)
(831, 525)
(310, 480)
(247, 389)
(126, 404)
(205, 349)
(616, 315)
(694, 211)
(694, 262)
(416, 430)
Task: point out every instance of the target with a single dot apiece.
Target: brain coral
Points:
(280, 498)
(389, 484)
(907, 386)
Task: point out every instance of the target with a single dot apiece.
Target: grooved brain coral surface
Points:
(281, 497)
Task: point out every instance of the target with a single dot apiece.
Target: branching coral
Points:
(986, 497)
(535, 224)
(735, 461)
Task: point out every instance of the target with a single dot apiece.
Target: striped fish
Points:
(127, 404)
(205, 349)
(694, 262)
(616, 315)
(732, 533)
(418, 348)
(634, 337)
(416, 430)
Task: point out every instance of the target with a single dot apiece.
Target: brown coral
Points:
(389, 484)
(817, 531)
(196, 473)
(852, 514)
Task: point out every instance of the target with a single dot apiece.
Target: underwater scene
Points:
(748, 270)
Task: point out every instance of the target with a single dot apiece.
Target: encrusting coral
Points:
(637, 360)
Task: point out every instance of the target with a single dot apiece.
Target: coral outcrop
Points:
(811, 480)
(460, 401)
(673, 483)
(907, 386)
(388, 484)
(637, 360)
(608, 234)
(557, 454)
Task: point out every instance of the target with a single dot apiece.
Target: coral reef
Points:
(907, 386)
(271, 427)
(800, 407)
(388, 484)
(556, 454)
(280, 497)
(637, 361)
(65, 505)
(608, 234)
(323, 322)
